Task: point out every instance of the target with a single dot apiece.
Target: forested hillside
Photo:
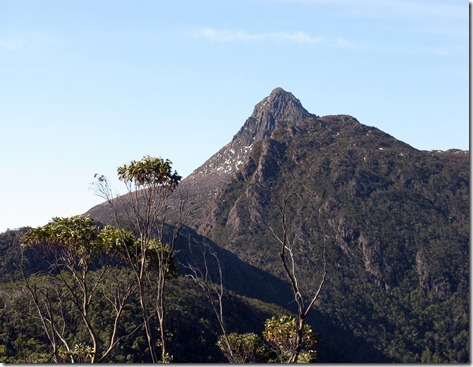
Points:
(192, 327)
(394, 222)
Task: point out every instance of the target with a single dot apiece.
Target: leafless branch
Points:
(214, 291)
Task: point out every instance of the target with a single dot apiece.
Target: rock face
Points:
(280, 107)
(360, 185)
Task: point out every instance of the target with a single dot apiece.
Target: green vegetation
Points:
(280, 342)
(243, 348)
(70, 247)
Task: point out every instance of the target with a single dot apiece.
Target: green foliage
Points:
(160, 255)
(191, 326)
(149, 171)
(245, 348)
(80, 353)
(117, 240)
(78, 237)
(72, 246)
(280, 342)
(10, 256)
(21, 336)
(281, 334)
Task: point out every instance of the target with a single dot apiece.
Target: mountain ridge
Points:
(279, 109)
(205, 181)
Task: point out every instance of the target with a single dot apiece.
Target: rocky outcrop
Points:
(203, 184)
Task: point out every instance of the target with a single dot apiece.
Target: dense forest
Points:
(193, 329)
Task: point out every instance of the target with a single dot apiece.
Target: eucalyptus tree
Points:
(149, 183)
(72, 247)
(282, 336)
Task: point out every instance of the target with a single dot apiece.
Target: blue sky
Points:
(87, 85)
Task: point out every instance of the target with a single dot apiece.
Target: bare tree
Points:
(287, 237)
(49, 320)
(214, 292)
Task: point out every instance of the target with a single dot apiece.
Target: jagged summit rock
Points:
(390, 222)
(280, 106)
(277, 108)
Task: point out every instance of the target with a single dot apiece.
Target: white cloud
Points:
(219, 35)
(226, 36)
(222, 35)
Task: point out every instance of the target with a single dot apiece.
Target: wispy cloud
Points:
(227, 36)
(222, 35)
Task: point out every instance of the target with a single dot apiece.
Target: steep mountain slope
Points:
(344, 168)
(394, 222)
(204, 183)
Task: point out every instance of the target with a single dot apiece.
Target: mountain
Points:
(388, 222)
(393, 222)
(205, 181)
(350, 176)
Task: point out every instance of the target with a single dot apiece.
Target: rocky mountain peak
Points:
(280, 106)
(277, 107)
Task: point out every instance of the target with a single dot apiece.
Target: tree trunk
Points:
(148, 331)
